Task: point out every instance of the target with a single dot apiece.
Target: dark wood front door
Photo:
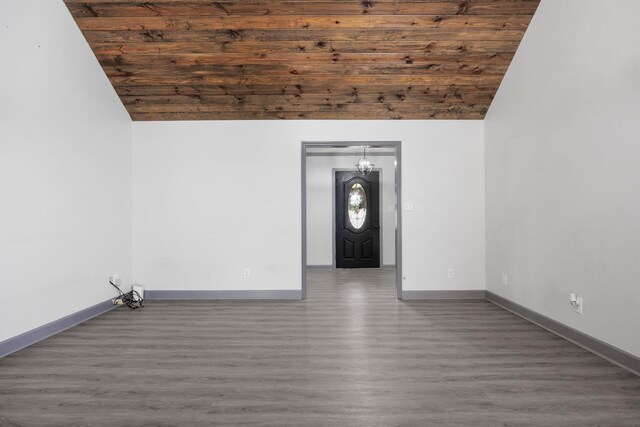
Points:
(357, 220)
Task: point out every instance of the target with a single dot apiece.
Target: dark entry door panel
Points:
(357, 220)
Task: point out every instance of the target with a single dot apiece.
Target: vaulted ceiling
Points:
(304, 59)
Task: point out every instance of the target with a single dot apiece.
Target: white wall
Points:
(320, 206)
(65, 170)
(562, 169)
(211, 198)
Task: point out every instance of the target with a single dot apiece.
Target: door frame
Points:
(397, 146)
(333, 210)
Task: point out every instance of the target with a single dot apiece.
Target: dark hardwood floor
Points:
(350, 355)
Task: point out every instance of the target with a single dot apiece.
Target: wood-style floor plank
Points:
(351, 354)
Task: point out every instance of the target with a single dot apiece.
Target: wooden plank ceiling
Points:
(304, 59)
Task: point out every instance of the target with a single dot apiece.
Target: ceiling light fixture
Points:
(364, 165)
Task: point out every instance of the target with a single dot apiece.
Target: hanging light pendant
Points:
(364, 165)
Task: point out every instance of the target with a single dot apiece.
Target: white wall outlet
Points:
(576, 303)
(408, 206)
(115, 279)
(451, 274)
(138, 292)
(246, 273)
(505, 279)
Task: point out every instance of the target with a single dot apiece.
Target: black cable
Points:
(131, 299)
(116, 286)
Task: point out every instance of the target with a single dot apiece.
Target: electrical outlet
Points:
(115, 279)
(576, 303)
(451, 274)
(246, 273)
(505, 279)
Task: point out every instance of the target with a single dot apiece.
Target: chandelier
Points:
(364, 165)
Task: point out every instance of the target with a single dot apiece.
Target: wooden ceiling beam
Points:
(319, 22)
(106, 9)
(327, 80)
(317, 115)
(307, 70)
(322, 37)
(290, 59)
(270, 89)
(359, 108)
(274, 49)
(304, 99)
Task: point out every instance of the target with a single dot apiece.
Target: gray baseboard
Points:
(331, 267)
(286, 294)
(439, 295)
(606, 351)
(45, 331)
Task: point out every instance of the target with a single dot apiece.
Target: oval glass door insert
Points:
(357, 206)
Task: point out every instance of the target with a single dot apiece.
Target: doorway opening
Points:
(351, 220)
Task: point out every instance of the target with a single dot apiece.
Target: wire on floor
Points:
(131, 299)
